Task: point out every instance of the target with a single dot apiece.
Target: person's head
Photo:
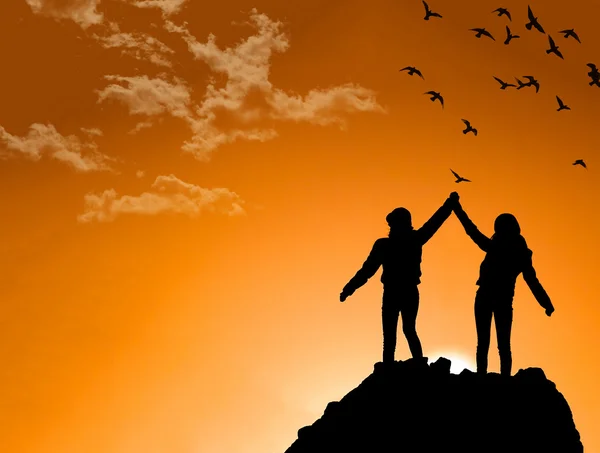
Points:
(399, 220)
(506, 226)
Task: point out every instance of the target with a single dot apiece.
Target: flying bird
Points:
(532, 82)
(561, 105)
(428, 12)
(570, 32)
(482, 31)
(412, 70)
(594, 74)
(469, 128)
(521, 84)
(459, 178)
(503, 12)
(594, 70)
(435, 95)
(580, 162)
(509, 35)
(503, 84)
(533, 21)
(554, 48)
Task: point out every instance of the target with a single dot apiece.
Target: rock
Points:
(441, 365)
(414, 407)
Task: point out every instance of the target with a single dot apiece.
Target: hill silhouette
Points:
(412, 406)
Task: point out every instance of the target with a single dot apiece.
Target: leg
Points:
(483, 323)
(503, 316)
(410, 308)
(389, 315)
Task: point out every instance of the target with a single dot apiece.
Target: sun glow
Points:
(458, 361)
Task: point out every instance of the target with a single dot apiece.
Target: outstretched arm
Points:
(367, 270)
(434, 223)
(482, 241)
(535, 286)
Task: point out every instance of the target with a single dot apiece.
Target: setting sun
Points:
(187, 186)
(458, 362)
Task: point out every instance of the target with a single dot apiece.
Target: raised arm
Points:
(367, 270)
(535, 286)
(434, 223)
(482, 241)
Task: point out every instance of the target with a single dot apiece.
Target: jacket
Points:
(504, 261)
(400, 256)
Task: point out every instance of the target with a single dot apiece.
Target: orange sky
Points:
(167, 316)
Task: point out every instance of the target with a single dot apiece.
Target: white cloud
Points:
(168, 7)
(247, 66)
(247, 96)
(207, 138)
(82, 12)
(140, 46)
(139, 126)
(45, 139)
(92, 131)
(169, 195)
(323, 106)
(146, 96)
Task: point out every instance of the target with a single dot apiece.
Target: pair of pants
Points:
(488, 303)
(396, 301)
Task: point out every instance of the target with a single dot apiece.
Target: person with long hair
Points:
(507, 256)
(400, 256)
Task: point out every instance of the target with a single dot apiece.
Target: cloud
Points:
(169, 195)
(140, 173)
(247, 67)
(168, 7)
(92, 131)
(247, 96)
(207, 138)
(82, 12)
(45, 139)
(323, 106)
(146, 96)
(139, 126)
(140, 46)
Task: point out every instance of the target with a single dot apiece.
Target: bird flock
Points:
(533, 23)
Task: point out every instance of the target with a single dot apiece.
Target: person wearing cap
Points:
(400, 256)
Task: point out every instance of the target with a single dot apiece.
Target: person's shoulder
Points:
(381, 241)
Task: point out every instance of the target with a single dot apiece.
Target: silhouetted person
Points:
(507, 256)
(400, 256)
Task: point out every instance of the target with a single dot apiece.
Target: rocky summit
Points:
(412, 407)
